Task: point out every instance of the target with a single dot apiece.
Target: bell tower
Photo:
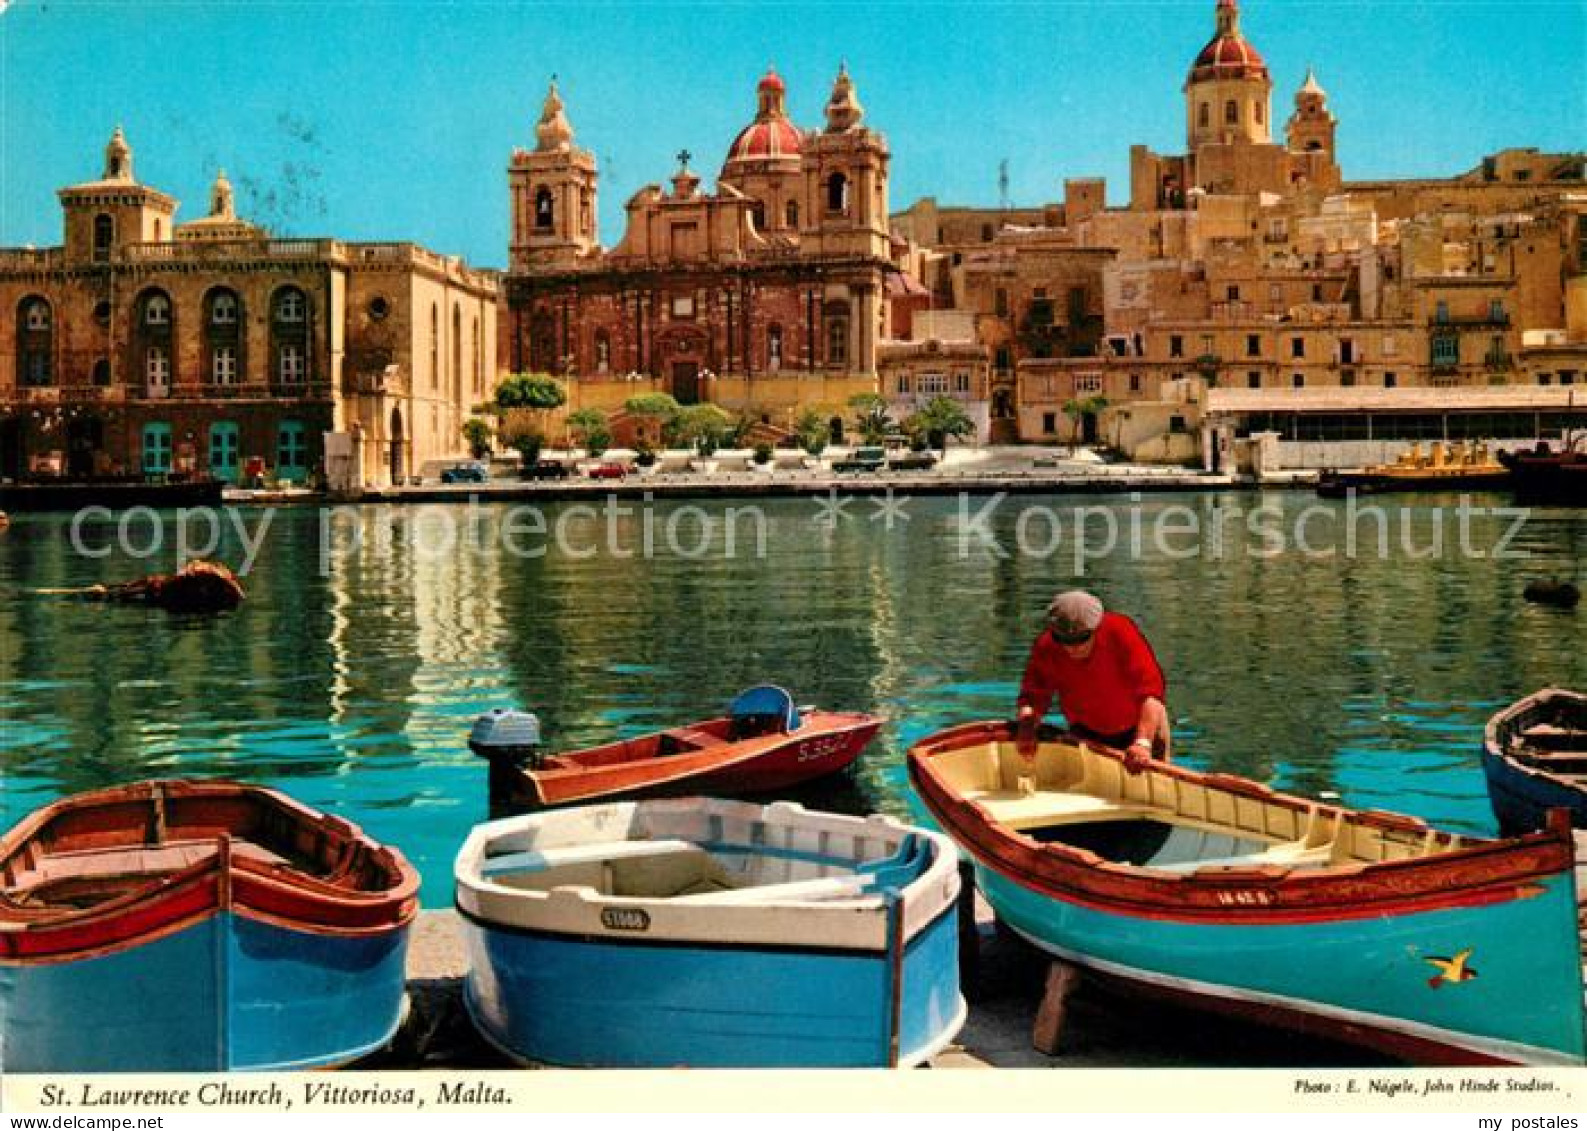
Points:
(1311, 126)
(845, 170)
(552, 192)
(103, 216)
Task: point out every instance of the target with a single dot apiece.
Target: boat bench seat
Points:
(1288, 855)
(601, 853)
(139, 860)
(1016, 810)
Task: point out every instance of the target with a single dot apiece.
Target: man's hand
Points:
(1025, 731)
(1138, 755)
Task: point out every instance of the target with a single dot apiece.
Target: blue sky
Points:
(395, 120)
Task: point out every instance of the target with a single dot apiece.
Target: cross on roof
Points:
(683, 158)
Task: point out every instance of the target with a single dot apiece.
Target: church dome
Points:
(1228, 55)
(771, 136)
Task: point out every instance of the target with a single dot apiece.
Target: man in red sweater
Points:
(1107, 680)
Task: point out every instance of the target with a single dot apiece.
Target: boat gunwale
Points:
(282, 895)
(1482, 871)
(473, 888)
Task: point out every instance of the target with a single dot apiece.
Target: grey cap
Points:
(1074, 615)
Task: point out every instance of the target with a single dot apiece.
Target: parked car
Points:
(546, 469)
(911, 461)
(862, 459)
(465, 473)
(610, 469)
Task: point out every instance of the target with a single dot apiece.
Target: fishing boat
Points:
(1216, 891)
(764, 743)
(1546, 476)
(1534, 754)
(709, 933)
(1446, 467)
(174, 926)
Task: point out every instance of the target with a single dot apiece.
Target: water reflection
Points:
(353, 686)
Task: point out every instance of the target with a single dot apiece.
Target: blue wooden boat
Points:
(1215, 891)
(1534, 754)
(197, 926)
(710, 933)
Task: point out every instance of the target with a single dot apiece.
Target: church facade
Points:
(767, 297)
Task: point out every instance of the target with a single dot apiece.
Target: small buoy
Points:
(1560, 594)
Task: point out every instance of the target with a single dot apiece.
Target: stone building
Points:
(140, 347)
(1252, 265)
(768, 296)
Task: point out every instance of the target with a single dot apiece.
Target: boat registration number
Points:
(819, 748)
(1244, 898)
(625, 919)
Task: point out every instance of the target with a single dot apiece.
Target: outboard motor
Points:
(510, 742)
(510, 736)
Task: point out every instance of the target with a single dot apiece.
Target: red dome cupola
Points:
(1228, 55)
(771, 136)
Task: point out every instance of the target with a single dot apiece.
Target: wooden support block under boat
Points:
(1047, 1033)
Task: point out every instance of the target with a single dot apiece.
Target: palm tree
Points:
(871, 417)
(940, 418)
(1078, 409)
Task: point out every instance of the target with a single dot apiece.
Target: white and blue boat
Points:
(708, 933)
(197, 927)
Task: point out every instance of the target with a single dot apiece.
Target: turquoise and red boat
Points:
(173, 926)
(1218, 892)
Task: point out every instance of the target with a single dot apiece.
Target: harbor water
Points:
(1325, 655)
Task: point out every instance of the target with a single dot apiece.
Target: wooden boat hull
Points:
(1559, 479)
(1524, 790)
(141, 930)
(828, 743)
(1350, 951)
(582, 977)
(70, 496)
(225, 993)
(1338, 485)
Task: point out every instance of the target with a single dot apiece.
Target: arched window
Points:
(222, 337)
(774, 347)
(1204, 115)
(291, 306)
(479, 360)
(1257, 112)
(1231, 113)
(457, 351)
(35, 342)
(289, 337)
(837, 193)
(151, 345)
(435, 346)
(603, 352)
(792, 213)
(545, 208)
(837, 333)
(104, 236)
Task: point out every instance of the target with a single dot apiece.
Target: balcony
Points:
(1499, 361)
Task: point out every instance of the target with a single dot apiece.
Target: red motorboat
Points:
(763, 743)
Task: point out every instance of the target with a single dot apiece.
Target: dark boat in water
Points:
(1546, 476)
(173, 926)
(116, 495)
(1534, 754)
